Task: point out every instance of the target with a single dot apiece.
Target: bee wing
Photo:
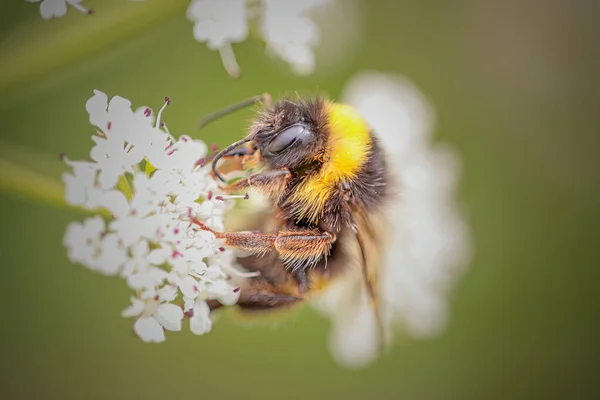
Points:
(370, 247)
(352, 300)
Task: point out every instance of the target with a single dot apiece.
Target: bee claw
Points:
(302, 279)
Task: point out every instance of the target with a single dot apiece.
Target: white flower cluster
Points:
(58, 8)
(284, 25)
(429, 242)
(153, 188)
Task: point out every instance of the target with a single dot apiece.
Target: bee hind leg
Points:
(265, 293)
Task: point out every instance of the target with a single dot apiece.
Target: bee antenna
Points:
(227, 150)
(265, 97)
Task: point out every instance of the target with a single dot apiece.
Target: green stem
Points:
(27, 183)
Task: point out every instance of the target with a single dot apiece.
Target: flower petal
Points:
(112, 200)
(169, 316)
(53, 8)
(96, 108)
(187, 285)
(167, 293)
(200, 323)
(148, 279)
(136, 308)
(112, 255)
(354, 342)
(149, 330)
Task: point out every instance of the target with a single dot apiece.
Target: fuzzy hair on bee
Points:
(325, 175)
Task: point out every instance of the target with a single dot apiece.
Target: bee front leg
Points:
(271, 182)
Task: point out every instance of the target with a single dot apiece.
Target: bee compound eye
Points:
(287, 137)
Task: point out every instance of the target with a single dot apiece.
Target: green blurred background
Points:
(515, 88)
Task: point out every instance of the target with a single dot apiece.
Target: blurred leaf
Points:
(25, 182)
(46, 45)
(125, 187)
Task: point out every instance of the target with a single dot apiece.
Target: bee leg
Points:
(303, 249)
(271, 182)
(274, 288)
(262, 301)
(302, 279)
(297, 250)
(256, 301)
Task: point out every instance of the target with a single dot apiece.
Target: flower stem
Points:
(18, 180)
(24, 182)
(229, 61)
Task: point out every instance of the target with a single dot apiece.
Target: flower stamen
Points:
(167, 102)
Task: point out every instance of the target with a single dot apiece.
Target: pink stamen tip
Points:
(109, 125)
(219, 198)
(176, 231)
(201, 162)
(90, 12)
(171, 153)
(246, 196)
(184, 139)
(195, 289)
(210, 195)
(176, 254)
(132, 212)
(168, 146)
(190, 313)
(228, 277)
(162, 124)
(190, 212)
(214, 148)
(147, 112)
(221, 249)
(156, 297)
(237, 289)
(167, 100)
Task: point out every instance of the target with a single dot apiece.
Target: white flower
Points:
(289, 32)
(138, 271)
(83, 240)
(285, 26)
(58, 8)
(89, 244)
(113, 159)
(153, 317)
(429, 244)
(111, 200)
(155, 192)
(218, 22)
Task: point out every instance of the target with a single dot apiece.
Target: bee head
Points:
(292, 134)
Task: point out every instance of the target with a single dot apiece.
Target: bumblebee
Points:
(325, 175)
